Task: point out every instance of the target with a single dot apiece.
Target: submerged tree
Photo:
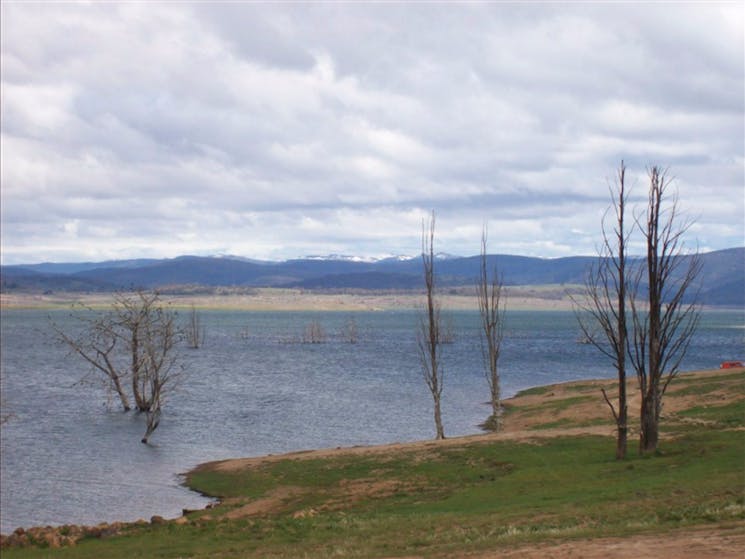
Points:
(158, 363)
(5, 415)
(134, 342)
(665, 320)
(491, 309)
(100, 344)
(195, 330)
(429, 335)
(349, 331)
(314, 333)
(602, 312)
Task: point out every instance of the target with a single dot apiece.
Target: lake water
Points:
(69, 457)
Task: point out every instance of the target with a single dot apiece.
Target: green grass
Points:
(726, 415)
(685, 385)
(535, 391)
(554, 405)
(434, 501)
(736, 378)
(566, 422)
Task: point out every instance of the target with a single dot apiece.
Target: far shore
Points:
(527, 298)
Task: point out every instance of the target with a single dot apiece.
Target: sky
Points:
(282, 130)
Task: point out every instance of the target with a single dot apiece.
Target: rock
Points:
(52, 539)
(157, 520)
(181, 520)
(111, 530)
(16, 539)
(92, 532)
(305, 513)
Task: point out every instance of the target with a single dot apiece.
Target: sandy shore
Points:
(273, 299)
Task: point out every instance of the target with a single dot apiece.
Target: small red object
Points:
(731, 364)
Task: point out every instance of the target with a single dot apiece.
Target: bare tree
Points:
(195, 330)
(133, 341)
(158, 363)
(350, 332)
(5, 415)
(602, 311)
(141, 321)
(491, 308)
(96, 344)
(447, 330)
(429, 335)
(662, 331)
(314, 333)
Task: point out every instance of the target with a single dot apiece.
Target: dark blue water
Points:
(69, 456)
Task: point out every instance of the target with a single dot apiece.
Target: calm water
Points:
(69, 457)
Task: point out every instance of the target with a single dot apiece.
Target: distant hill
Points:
(722, 277)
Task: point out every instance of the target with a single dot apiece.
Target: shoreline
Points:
(518, 430)
(514, 430)
(537, 298)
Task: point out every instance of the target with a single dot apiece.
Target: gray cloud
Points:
(273, 131)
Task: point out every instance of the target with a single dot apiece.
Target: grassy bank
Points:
(549, 477)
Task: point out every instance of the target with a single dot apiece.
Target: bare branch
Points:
(491, 306)
(429, 334)
(134, 341)
(601, 314)
(664, 329)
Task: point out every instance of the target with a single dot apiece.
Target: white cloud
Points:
(274, 131)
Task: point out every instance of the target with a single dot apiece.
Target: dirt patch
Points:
(697, 543)
(578, 407)
(351, 491)
(272, 502)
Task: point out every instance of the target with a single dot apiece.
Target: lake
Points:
(69, 455)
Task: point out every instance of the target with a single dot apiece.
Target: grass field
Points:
(550, 477)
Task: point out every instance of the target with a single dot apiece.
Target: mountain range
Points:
(722, 276)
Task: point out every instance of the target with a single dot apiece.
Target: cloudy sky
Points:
(281, 130)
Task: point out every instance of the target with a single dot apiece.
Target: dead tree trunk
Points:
(429, 336)
(195, 330)
(314, 333)
(350, 332)
(491, 308)
(137, 379)
(663, 331)
(602, 313)
(97, 346)
(134, 341)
